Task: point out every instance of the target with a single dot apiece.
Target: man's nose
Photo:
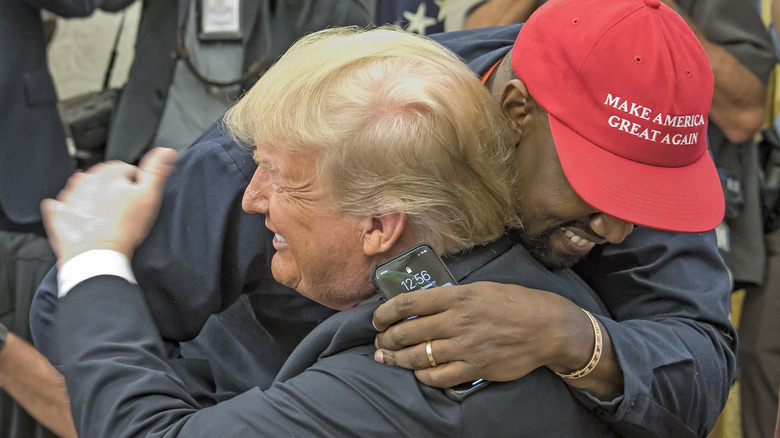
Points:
(611, 228)
(255, 199)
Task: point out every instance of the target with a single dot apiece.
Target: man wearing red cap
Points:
(742, 58)
(627, 110)
(611, 109)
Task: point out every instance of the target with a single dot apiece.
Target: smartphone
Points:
(419, 268)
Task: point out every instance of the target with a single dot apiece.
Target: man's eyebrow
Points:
(262, 162)
(272, 171)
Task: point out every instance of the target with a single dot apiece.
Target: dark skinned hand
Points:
(491, 331)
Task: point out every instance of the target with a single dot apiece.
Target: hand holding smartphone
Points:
(419, 268)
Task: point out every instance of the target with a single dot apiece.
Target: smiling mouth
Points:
(279, 237)
(578, 240)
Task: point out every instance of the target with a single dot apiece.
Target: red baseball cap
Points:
(627, 87)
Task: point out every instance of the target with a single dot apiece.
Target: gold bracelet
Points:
(594, 360)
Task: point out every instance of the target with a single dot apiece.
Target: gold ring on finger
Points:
(429, 352)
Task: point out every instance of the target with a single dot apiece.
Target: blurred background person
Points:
(759, 346)
(34, 164)
(193, 58)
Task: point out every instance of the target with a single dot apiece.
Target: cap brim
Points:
(681, 199)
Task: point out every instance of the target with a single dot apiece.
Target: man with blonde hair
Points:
(378, 111)
(345, 180)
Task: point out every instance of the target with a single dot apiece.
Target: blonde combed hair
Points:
(398, 124)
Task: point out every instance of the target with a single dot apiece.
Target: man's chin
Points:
(284, 276)
(540, 249)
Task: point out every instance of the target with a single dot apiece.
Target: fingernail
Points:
(379, 357)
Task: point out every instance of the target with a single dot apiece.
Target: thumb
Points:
(155, 167)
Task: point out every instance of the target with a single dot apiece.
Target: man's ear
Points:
(515, 103)
(381, 233)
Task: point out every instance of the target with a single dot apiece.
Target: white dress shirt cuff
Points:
(92, 264)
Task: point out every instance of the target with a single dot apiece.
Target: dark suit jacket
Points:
(34, 161)
(121, 384)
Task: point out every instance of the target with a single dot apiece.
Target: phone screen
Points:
(418, 268)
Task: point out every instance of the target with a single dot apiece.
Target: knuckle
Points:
(464, 321)
(463, 295)
(436, 380)
(479, 363)
(403, 303)
(393, 338)
(401, 337)
(388, 358)
(444, 378)
(460, 342)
